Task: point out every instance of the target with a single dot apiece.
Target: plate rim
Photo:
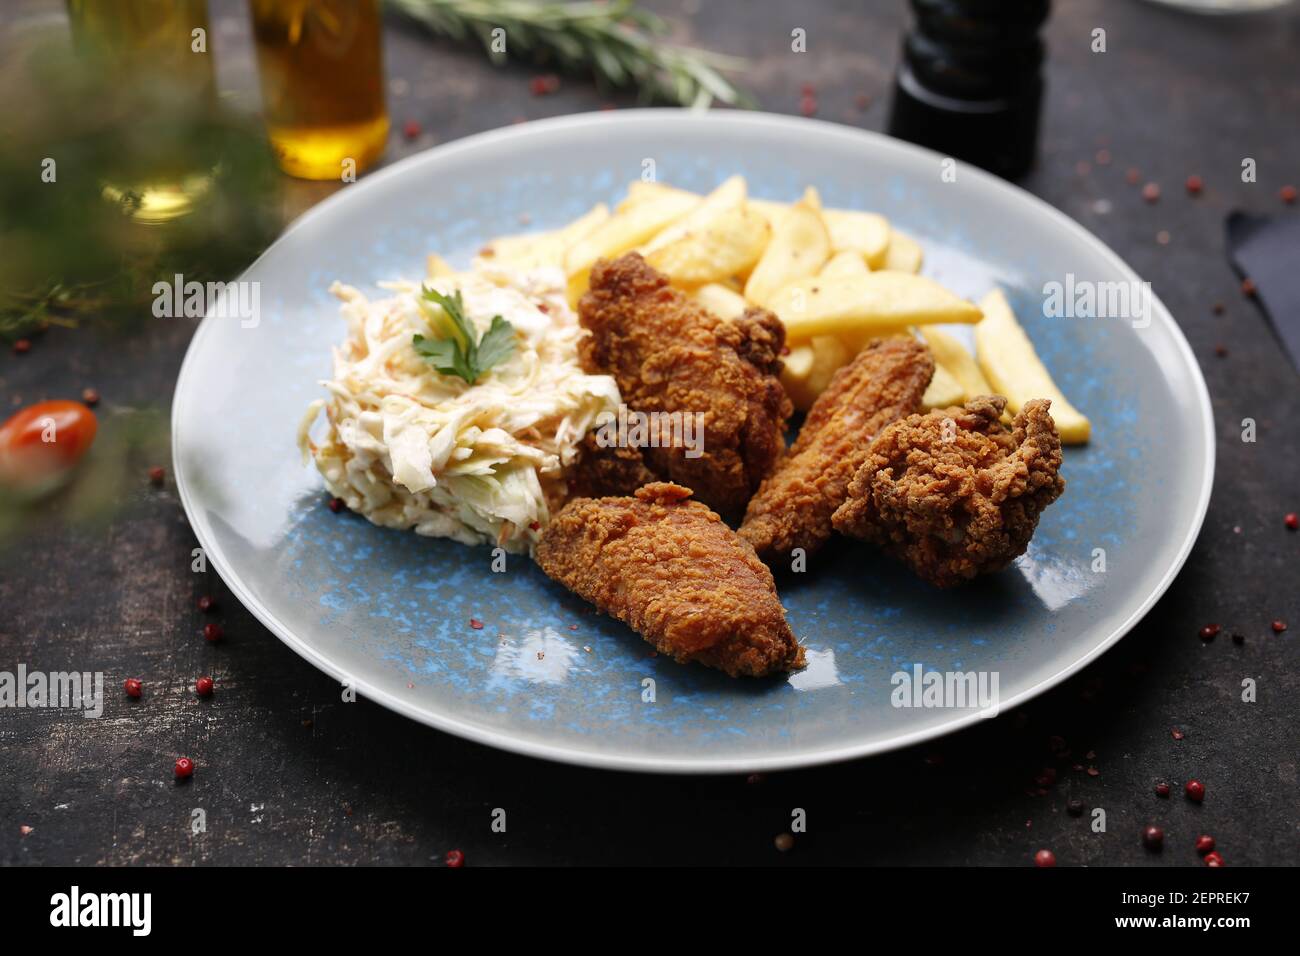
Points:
(569, 754)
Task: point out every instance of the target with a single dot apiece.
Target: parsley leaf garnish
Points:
(456, 353)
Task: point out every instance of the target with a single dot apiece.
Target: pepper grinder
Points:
(970, 81)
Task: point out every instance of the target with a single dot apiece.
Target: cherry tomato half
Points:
(44, 441)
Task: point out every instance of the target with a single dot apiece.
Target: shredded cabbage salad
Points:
(409, 447)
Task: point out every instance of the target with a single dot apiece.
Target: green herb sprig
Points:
(457, 353)
(621, 44)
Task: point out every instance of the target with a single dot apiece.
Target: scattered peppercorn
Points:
(476, 624)
(203, 686)
(411, 129)
(213, 631)
(184, 768)
(1221, 351)
(1102, 158)
(22, 346)
(1195, 791)
(1177, 734)
(1044, 858)
(1204, 844)
(156, 475)
(1151, 192)
(808, 105)
(1213, 859)
(335, 505)
(1075, 808)
(89, 397)
(784, 842)
(544, 85)
(133, 687)
(1153, 838)
(1162, 790)
(1292, 520)
(1279, 626)
(1132, 176)
(1210, 632)
(1194, 185)
(206, 604)
(1218, 308)
(1288, 194)
(1248, 287)
(455, 859)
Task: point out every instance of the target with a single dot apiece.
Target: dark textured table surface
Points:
(290, 775)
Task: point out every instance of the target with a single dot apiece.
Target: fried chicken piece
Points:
(607, 470)
(670, 569)
(669, 354)
(955, 493)
(793, 508)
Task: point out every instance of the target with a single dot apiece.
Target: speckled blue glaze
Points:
(390, 611)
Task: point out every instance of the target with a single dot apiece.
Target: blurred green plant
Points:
(622, 45)
(79, 145)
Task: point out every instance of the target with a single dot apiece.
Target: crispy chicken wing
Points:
(668, 354)
(670, 569)
(955, 493)
(793, 508)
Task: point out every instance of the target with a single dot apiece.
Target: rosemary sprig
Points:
(621, 44)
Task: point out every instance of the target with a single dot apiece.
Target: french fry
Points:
(728, 244)
(903, 254)
(846, 263)
(800, 245)
(944, 390)
(866, 232)
(551, 247)
(436, 266)
(953, 356)
(860, 307)
(728, 196)
(810, 366)
(796, 366)
(722, 301)
(626, 229)
(1013, 368)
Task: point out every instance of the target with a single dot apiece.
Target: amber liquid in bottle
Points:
(322, 79)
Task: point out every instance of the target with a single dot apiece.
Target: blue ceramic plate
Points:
(390, 612)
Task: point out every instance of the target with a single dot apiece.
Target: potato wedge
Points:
(1013, 368)
(956, 359)
(867, 232)
(944, 390)
(729, 243)
(625, 230)
(799, 247)
(810, 366)
(436, 266)
(903, 254)
(846, 263)
(722, 301)
(551, 247)
(860, 307)
(728, 196)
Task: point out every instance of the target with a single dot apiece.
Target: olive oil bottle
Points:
(322, 78)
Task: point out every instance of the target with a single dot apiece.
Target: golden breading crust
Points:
(668, 354)
(670, 569)
(955, 493)
(793, 508)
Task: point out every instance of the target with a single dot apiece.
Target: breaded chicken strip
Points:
(793, 508)
(668, 354)
(671, 570)
(955, 493)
